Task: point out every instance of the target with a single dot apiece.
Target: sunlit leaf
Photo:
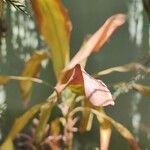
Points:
(143, 89)
(55, 127)
(44, 116)
(105, 134)
(8, 144)
(98, 39)
(20, 123)
(95, 90)
(4, 79)
(124, 68)
(55, 26)
(31, 69)
(119, 127)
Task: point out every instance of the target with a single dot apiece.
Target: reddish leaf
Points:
(44, 116)
(98, 39)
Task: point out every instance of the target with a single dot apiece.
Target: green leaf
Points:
(5, 79)
(19, 124)
(44, 116)
(55, 26)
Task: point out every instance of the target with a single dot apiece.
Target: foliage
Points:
(76, 91)
(18, 5)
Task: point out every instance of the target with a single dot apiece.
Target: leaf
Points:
(124, 68)
(101, 116)
(20, 123)
(143, 89)
(126, 134)
(1, 9)
(55, 127)
(120, 128)
(55, 130)
(31, 69)
(8, 144)
(55, 26)
(4, 79)
(98, 39)
(44, 116)
(105, 134)
(95, 90)
(87, 117)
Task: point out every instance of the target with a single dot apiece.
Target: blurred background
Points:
(130, 43)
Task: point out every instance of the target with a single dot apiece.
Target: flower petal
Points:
(95, 90)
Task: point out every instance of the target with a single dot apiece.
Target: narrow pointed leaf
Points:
(87, 117)
(1, 9)
(31, 69)
(5, 79)
(124, 68)
(119, 127)
(98, 39)
(44, 116)
(8, 144)
(143, 89)
(54, 24)
(20, 123)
